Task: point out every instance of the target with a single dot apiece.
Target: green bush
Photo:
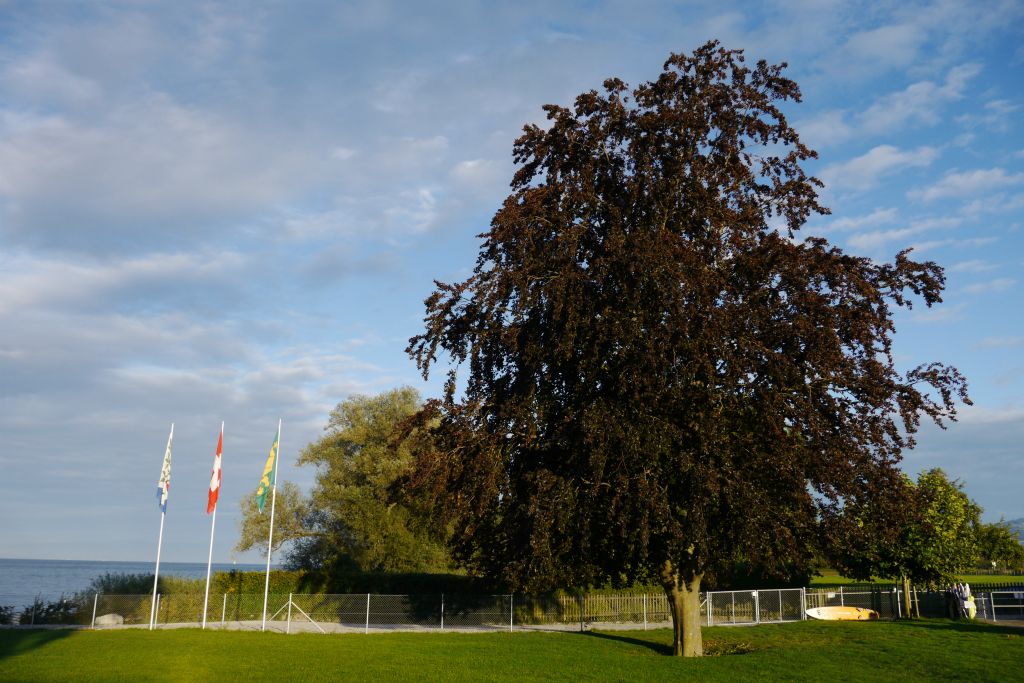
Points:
(6, 614)
(140, 584)
(63, 610)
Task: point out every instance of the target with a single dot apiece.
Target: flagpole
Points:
(209, 561)
(156, 573)
(270, 539)
(213, 525)
(159, 545)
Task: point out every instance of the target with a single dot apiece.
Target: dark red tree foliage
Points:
(661, 378)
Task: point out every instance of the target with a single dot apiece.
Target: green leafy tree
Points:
(293, 520)
(946, 543)
(999, 545)
(660, 379)
(925, 533)
(351, 519)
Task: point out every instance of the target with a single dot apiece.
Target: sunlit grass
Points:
(925, 650)
(832, 577)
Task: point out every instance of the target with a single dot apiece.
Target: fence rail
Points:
(375, 612)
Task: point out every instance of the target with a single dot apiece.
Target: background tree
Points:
(946, 544)
(930, 539)
(291, 520)
(661, 378)
(1000, 546)
(351, 520)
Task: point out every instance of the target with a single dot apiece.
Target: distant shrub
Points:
(63, 610)
(282, 581)
(6, 614)
(141, 584)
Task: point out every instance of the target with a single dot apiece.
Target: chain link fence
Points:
(375, 612)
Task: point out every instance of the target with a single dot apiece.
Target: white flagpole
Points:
(159, 545)
(270, 539)
(156, 574)
(213, 525)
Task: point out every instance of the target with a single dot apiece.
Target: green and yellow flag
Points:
(269, 473)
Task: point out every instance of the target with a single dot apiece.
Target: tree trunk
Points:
(683, 593)
(907, 609)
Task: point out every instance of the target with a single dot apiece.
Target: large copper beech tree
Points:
(662, 378)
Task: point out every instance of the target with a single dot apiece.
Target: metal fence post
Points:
(224, 610)
(645, 611)
(581, 612)
(511, 612)
(710, 602)
(442, 611)
(94, 601)
(367, 629)
(803, 604)
(156, 617)
(288, 628)
(841, 603)
(757, 607)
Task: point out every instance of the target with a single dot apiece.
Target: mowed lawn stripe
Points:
(926, 650)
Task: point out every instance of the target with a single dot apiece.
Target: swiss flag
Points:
(211, 502)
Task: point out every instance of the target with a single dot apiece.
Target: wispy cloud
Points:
(995, 116)
(972, 266)
(998, 285)
(878, 238)
(940, 314)
(971, 242)
(1000, 342)
(853, 223)
(919, 103)
(968, 183)
(868, 170)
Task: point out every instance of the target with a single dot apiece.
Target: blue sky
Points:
(233, 211)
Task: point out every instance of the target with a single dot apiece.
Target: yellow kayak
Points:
(840, 613)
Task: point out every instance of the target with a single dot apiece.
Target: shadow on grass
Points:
(658, 648)
(20, 641)
(962, 626)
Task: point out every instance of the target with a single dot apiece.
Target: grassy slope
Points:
(925, 650)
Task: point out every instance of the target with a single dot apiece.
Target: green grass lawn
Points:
(831, 577)
(925, 650)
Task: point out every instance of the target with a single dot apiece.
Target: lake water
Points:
(22, 580)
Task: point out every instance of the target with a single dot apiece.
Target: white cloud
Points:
(972, 266)
(968, 183)
(42, 79)
(866, 171)
(343, 153)
(877, 238)
(959, 244)
(985, 415)
(482, 177)
(996, 203)
(1000, 342)
(145, 165)
(51, 284)
(852, 223)
(919, 103)
(996, 116)
(890, 46)
(998, 285)
(940, 314)
(826, 129)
